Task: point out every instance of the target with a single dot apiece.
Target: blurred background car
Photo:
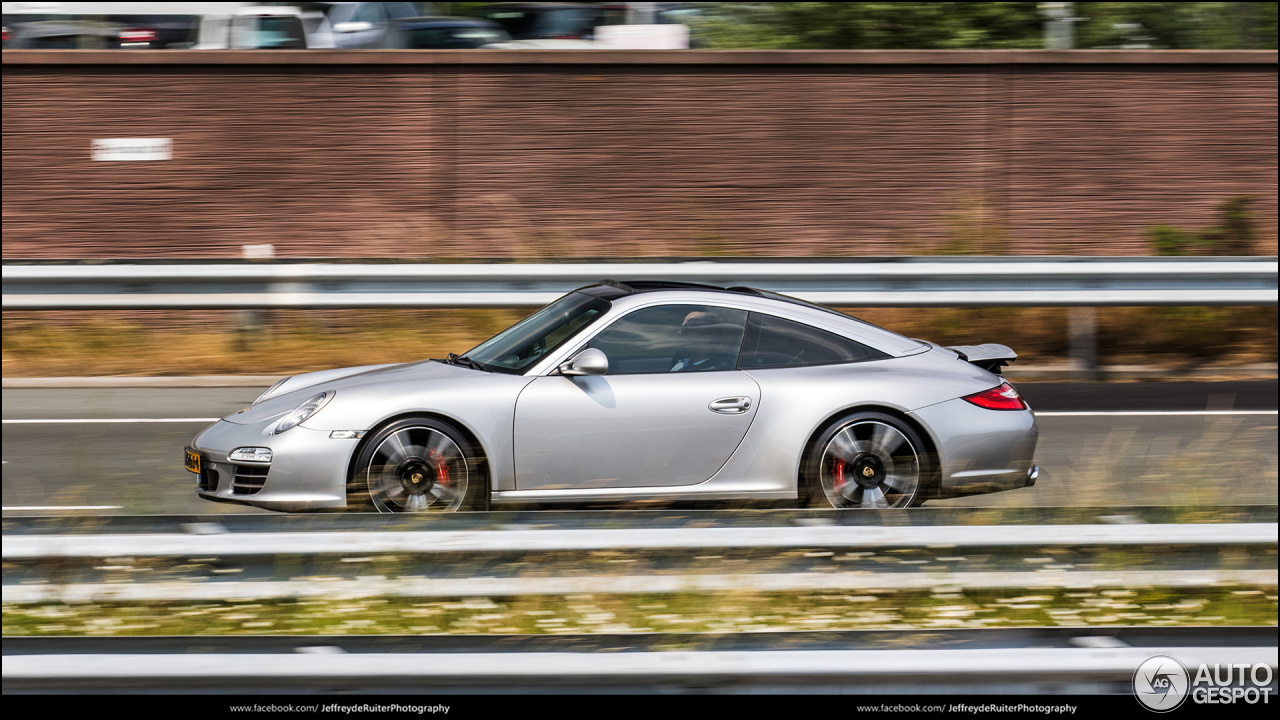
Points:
(262, 28)
(365, 25)
(342, 25)
(447, 33)
(208, 25)
(584, 26)
(64, 34)
(667, 26)
(546, 25)
(128, 25)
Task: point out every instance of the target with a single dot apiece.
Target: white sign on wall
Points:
(133, 149)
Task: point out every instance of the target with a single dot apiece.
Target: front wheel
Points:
(417, 465)
(867, 460)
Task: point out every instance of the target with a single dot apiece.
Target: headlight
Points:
(271, 390)
(303, 411)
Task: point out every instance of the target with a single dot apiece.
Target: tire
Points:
(418, 465)
(866, 460)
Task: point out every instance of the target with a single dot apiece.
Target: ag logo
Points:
(1161, 683)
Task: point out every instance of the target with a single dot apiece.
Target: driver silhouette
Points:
(694, 352)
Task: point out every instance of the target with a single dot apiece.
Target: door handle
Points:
(730, 405)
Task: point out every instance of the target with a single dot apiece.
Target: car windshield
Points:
(518, 347)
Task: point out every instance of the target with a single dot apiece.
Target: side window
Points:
(673, 338)
(341, 12)
(428, 38)
(370, 13)
(773, 342)
(281, 32)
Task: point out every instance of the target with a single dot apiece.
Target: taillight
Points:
(1003, 397)
(137, 35)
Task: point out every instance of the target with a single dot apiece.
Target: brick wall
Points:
(507, 154)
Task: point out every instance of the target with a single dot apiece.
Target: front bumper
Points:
(980, 450)
(308, 469)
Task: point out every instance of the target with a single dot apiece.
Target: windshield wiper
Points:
(454, 359)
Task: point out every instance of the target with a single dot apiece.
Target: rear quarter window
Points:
(772, 342)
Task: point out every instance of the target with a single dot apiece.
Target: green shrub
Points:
(1233, 235)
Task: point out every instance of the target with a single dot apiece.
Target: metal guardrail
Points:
(37, 525)
(1079, 660)
(31, 547)
(422, 560)
(881, 282)
(981, 666)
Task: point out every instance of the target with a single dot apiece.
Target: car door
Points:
(670, 411)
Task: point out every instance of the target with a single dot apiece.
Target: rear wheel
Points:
(418, 465)
(867, 460)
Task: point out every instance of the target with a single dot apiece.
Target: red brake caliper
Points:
(442, 470)
(839, 474)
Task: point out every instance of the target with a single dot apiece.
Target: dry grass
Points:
(213, 343)
(680, 613)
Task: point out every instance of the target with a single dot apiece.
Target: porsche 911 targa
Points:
(635, 391)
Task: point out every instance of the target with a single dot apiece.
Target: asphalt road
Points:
(1088, 459)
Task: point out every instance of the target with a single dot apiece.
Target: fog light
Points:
(250, 454)
(1032, 475)
(346, 434)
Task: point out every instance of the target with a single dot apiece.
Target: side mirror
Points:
(588, 362)
(350, 27)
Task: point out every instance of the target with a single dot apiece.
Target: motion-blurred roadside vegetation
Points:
(1234, 234)
(711, 614)
(50, 344)
(982, 25)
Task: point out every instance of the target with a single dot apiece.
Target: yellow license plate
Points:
(193, 460)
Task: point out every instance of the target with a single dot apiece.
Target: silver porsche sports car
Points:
(638, 391)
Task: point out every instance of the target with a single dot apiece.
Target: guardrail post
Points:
(250, 323)
(249, 326)
(1082, 342)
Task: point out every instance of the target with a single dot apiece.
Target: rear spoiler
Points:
(990, 357)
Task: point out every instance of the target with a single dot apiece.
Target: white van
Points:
(265, 28)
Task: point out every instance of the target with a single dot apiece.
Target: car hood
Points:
(306, 380)
(309, 384)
